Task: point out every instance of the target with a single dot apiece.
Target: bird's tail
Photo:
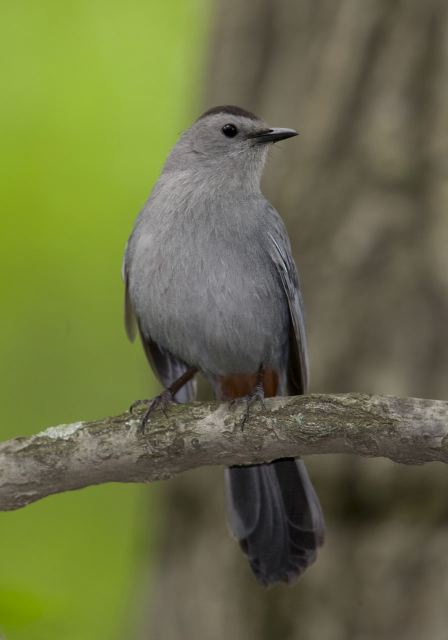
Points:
(272, 509)
(275, 514)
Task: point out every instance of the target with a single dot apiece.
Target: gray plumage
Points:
(211, 283)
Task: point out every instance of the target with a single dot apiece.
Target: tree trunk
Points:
(364, 192)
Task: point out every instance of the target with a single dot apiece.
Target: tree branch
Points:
(407, 430)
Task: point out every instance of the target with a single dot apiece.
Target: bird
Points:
(211, 287)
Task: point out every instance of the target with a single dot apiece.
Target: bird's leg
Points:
(163, 400)
(256, 395)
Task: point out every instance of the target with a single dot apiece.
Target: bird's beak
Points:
(273, 135)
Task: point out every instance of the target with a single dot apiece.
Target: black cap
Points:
(231, 110)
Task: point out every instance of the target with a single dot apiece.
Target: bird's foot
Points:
(138, 403)
(257, 395)
(162, 401)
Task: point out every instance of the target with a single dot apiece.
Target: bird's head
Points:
(226, 143)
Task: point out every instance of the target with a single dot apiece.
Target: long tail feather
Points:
(275, 514)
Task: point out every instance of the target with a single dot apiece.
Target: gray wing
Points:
(280, 252)
(167, 367)
(130, 321)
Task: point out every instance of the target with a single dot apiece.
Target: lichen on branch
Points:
(67, 457)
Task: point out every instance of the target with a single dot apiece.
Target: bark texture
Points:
(72, 456)
(364, 192)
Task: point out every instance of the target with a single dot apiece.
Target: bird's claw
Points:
(257, 395)
(137, 403)
(161, 401)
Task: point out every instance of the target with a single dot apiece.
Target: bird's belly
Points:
(224, 319)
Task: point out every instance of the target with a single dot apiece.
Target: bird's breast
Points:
(210, 295)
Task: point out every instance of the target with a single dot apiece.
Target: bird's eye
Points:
(229, 130)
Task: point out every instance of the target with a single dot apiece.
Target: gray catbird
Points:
(212, 287)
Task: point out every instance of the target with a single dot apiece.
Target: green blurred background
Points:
(93, 95)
